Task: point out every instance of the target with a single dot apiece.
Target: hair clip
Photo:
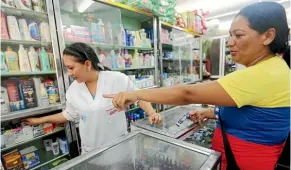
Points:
(100, 66)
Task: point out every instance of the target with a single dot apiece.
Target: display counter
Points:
(145, 150)
(187, 131)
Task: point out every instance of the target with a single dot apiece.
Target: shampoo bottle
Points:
(4, 67)
(24, 64)
(120, 61)
(41, 93)
(51, 58)
(13, 28)
(33, 30)
(45, 32)
(11, 60)
(44, 60)
(102, 31)
(24, 30)
(113, 59)
(33, 58)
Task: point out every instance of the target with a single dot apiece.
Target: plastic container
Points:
(33, 30)
(52, 92)
(37, 5)
(4, 67)
(11, 60)
(55, 148)
(51, 58)
(45, 32)
(41, 93)
(109, 34)
(23, 4)
(24, 64)
(13, 28)
(102, 30)
(24, 30)
(33, 58)
(44, 60)
(3, 26)
(48, 144)
(63, 143)
(113, 59)
(120, 61)
(4, 101)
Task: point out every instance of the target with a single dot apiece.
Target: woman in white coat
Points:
(99, 124)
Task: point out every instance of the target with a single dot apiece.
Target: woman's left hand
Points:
(155, 118)
(122, 99)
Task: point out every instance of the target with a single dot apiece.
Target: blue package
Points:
(33, 30)
(186, 116)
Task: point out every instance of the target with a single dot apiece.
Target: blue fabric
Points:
(267, 126)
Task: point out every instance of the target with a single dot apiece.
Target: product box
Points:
(30, 157)
(28, 93)
(23, 134)
(9, 137)
(37, 130)
(13, 161)
(48, 128)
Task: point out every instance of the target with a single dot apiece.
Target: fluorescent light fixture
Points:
(84, 5)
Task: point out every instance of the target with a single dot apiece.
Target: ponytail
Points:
(286, 55)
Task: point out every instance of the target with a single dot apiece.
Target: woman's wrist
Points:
(209, 113)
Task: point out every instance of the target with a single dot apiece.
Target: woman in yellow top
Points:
(253, 103)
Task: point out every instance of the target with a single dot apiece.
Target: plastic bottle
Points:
(23, 4)
(94, 32)
(4, 67)
(44, 60)
(45, 32)
(51, 58)
(24, 30)
(135, 59)
(3, 26)
(102, 30)
(33, 30)
(141, 60)
(63, 145)
(11, 60)
(4, 101)
(123, 37)
(13, 28)
(24, 64)
(109, 34)
(41, 93)
(37, 5)
(113, 59)
(120, 61)
(33, 58)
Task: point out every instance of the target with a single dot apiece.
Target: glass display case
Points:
(142, 150)
(168, 126)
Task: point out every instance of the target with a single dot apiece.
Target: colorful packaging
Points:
(52, 59)
(4, 101)
(13, 161)
(44, 60)
(52, 92)
(30, 157)
(28, 93)
(4, 32)
(33, 30)
(15, 101)
(11, 60)
(24, 30)
(33, 59)
(4, 67)
(13, 28)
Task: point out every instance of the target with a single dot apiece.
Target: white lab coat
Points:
(97, 126)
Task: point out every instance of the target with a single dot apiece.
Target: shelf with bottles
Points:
(164, 24)
(25, 42)
(37, 153)
(24, 96)
(38, 132)
(22, 10)
(9, 74)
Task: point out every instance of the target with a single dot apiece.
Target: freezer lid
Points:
(143, 149)
(170, 117)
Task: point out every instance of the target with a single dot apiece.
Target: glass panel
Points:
(27, 59)
(214, 55)
(229, 64)
(145, 152)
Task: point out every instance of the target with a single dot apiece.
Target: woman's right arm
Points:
(55, 118)
(200, 114)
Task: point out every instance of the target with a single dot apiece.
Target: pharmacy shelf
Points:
(181, 29)
(22, 12)
(8, 74)
(33, 139)
(48, 156)
(126, 7)
(31, 112)
(23, 42)
(110, 46)
(132, 68)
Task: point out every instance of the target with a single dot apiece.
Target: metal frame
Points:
(212, 160)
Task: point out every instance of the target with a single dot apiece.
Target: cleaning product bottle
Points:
(33, 58)
(23, 4)
(33, 30)
(44, 60)
(109, 34)
(51, 58)
(24, 64)
(45, 32)
(13, 28)
(4, 67)
(113, 59)
(102, 30)
(24, 30)
(120, 61)
(4, 101)
(11, 60)
(41, 93)
(3, 26)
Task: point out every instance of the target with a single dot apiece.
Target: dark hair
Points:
(83, 52)
(265, 15)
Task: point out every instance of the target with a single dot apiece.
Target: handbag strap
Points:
(231, 162)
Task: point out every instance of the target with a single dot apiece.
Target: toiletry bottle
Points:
(33, 30)
(120, 61)
(123, 37)
(24, 30)
(11, 60)
(24, 64)
(51, 58)
(41, 93)
(52, 91)
(4, 67)
(113, 59)
(4, 101)
(45, 32)
(101, 57)
(102, 31)
(109, 34)
(44, 60)
(13, 28)
(33, 58)
(135, 59)
(3, 26)
(23, 4)
(94, 32)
